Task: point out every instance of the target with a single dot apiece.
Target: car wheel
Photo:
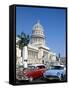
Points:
(31, 79)
(61, 77)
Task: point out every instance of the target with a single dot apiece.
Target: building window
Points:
(21, 53)
(45, 54)
(43, 61)
(32, 54)
(36, 55)
(50, 57)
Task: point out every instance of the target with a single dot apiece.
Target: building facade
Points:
(38, 52)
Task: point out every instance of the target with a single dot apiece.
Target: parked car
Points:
(55, 72)
(34, 71)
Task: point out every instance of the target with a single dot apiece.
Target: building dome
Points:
(38, 34)
(38, 30)
(38, 26)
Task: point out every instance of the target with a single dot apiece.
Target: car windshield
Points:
(56, 67)
(31, 67)
(40, 67)
(37, 67)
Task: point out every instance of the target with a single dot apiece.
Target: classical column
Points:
(25, 56)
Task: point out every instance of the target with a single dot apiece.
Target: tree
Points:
(23, 42)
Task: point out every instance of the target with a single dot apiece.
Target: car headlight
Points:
(58, 74)
(44, 74)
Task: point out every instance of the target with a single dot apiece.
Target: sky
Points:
(53, 21)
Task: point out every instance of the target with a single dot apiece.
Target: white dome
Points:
(38, 36)
(38, 30)
(38, 26)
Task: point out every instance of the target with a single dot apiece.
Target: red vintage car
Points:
(34, 71)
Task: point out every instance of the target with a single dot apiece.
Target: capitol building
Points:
(38, 52)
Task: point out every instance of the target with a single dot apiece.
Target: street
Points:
(40, 80)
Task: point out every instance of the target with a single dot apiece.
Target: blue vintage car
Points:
(55, 72)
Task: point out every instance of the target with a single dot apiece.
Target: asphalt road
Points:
(40, 80)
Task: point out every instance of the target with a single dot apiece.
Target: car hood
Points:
(25, 72)
(52, 72)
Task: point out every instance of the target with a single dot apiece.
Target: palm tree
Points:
(23, 42)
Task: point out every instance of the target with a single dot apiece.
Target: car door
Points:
(36, 72)
(39, 71)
